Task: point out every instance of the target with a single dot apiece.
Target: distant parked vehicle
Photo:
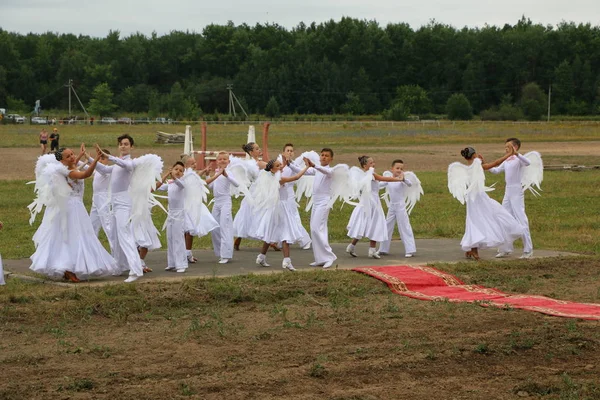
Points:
(125, 121)
(108, 120)
(15, 118)
(161, 120)
(142, 121)
(39, 121)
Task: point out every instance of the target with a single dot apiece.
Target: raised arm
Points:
(76, 174)
(523, 160)
(218, 173)
(295, 177)
(499, 161)
(163, 178)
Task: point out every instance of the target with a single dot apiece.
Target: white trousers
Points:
(319, 232)
(397, 215)
(514, 203)
(222, 237)
(100, 214)
(176, 253)
(124, 248)
(1, 272)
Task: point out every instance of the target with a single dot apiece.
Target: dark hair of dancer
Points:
(467, 152)
(58, 154)
(106, 151)
(397, 161)
(125, 136)
(327, 149)
(363, 160)
(178, 163)
(248, 147)
(514, 141)
(270, 165)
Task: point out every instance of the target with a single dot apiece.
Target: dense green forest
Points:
(349, 66)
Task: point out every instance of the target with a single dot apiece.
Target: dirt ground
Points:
(416, 158)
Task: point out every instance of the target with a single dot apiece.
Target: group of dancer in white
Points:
(126, 189)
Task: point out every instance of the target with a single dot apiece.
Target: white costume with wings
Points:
(367, 219)
(65, 240)
(243, 223)
(131, 183)
(223, 187)
(100, 213)
(487, 224)
(290, 197)
(521, 173)
(401, 197)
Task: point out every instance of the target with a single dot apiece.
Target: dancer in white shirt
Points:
(220, 183)
(100, 213)
(368, 219)
(514, 198)
(397, 213)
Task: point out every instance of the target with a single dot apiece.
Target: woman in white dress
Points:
(275, 221)
(66, 244)
(368, 219)
(487, 223)
(243, 223)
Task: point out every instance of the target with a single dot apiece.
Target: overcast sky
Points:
(96, 18)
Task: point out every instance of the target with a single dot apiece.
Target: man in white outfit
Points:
(514, 199)
(319, 216)
(124, 248)
(397, 212)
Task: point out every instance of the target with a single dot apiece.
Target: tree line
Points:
(348, 66)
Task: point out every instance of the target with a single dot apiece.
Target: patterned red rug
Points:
(427, 283)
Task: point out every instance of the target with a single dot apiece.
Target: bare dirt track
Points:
(18, 163)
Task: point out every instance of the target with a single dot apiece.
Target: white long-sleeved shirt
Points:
(222, 185)
(323, 179)
(121, 177)
(102, 175)
(396, 190)
(174, 189)
(513, 169)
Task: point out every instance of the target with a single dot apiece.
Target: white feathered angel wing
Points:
(146, 172)
(195, 197)
(342, 186)
(311, 155)
(239, 171)
(53, 191)
(533, 174)
(265, 193)
(413, 193)
(385, 196)
(458, 180)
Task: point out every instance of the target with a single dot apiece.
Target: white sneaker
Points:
(131, 278)
(316, 264)
(288, 265)
(502, 254)
(328, 264)
(181, 270)
(223, 260)
(350, 250)
(170, 269)
(262, 261)
(307, 246)
(408, 255)
(191, 259)
(373, 253)
(526, 255)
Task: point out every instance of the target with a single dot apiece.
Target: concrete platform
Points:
(428, 251)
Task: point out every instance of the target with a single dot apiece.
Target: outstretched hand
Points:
(308, 162)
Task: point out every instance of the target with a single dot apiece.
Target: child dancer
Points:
(514, 198)
(244, 219)
(190, 163)
(275, 221)
(367, 218)
(289, 169)
(220, 183)
(100, 211)
(397, 213)
(176, 255)
(65, 241)
(487, 223)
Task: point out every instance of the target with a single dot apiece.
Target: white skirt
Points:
(279, 224)
(146, 234)
(368, 223)
(77, 249)
(244, 221)
(488, 224)
(207, 223)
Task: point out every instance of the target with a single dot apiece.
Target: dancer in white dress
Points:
(220, 183)
(289, 169)
(243, 223)
(409, 189)
(190, 164)
(367, 219)
(514, 168)
(487, 223)
(176, 255)
(275, 221)
(66, 245)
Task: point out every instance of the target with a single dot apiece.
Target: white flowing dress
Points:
(244, 220)
(74, 248)
(368, 220)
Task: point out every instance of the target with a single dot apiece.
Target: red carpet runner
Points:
(426, 283)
